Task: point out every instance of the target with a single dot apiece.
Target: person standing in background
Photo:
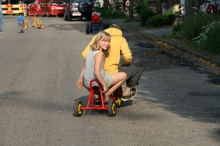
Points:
(111, 4)
(1, 16)
(127, 4)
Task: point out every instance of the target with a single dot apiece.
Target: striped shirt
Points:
(89, 73)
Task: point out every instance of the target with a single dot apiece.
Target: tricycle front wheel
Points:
(77, 108)
(112, 108)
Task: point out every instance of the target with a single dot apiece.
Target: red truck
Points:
(56, 7)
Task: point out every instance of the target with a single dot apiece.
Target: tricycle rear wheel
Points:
(118, 97)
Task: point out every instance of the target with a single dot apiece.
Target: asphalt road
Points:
(177, 102)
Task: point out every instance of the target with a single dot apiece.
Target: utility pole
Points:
(188, 8)
(159, 7)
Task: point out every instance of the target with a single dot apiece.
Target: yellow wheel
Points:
(42, 26)
(112, 109)
(25, 26)
(77, 108)
(118, 97)
(38, 26)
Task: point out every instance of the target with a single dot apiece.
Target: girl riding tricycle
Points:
(94, 69)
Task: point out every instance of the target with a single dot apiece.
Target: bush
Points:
(177, 29)
(143, 12)
(109, 14)
(208, 38)
(168, 18)
(160, 20)
(155, 21)
(193, 26)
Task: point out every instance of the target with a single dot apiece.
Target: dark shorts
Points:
(134, 72)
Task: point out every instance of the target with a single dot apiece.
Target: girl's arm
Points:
(99, 57)
(81, 78)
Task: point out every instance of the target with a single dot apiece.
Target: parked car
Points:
(37, 8)
(78, 8)
(56, 7)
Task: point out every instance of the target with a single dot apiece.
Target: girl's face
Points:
(104, 44)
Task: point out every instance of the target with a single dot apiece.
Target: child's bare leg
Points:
(95, 96)
(117, 80)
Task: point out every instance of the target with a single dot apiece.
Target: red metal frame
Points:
(90, 103)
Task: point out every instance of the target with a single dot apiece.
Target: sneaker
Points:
(132, 93)
(1, 31)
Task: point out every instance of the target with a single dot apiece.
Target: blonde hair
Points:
(102, 35)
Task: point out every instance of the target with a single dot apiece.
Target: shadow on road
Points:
(184, 86)
(20, 99)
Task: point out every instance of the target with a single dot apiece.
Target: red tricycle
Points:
(112, 105)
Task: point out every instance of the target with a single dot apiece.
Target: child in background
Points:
(96, 16)
(21, 22)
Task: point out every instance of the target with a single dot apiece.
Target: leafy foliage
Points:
(169, 18)
(208, 38)
(109, 14)
(193, 26)
(143, 12)
(177, 29)
(202, 31)
(160, 20)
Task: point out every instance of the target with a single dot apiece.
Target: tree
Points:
(159, 7)
(188, 8)
(105, 4)
(131, 14)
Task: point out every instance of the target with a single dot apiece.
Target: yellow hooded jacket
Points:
(118, 47)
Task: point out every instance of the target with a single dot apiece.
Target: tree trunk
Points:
(123, 5)
(159, 7)
(188, 8)
(131, 15)
(105, 4)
